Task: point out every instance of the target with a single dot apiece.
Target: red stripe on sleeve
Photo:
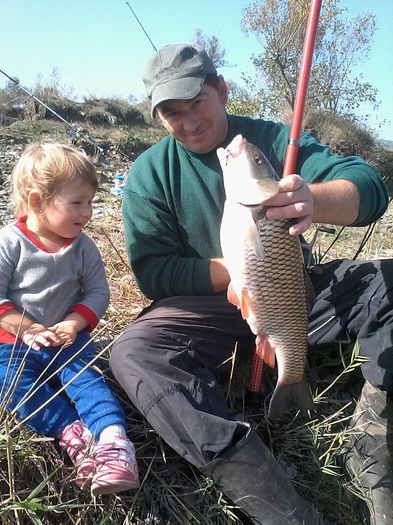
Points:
(87, 314)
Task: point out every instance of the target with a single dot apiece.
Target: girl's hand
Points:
(37, 335)
(66, 331)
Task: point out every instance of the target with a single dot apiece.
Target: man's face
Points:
(199, 124)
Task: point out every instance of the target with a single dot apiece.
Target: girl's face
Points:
(68, 212)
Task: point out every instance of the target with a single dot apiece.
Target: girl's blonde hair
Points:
(45, 169)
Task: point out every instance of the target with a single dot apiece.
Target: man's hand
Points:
(37, 335)
(294, 201)
(333, 202)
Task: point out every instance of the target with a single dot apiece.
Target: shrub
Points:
(111, 111)
(68, 109)
(341, 133)
(136, 140)
(382, 160)
(12, 101)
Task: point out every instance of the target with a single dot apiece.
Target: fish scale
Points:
(265, 264)
(279, 294)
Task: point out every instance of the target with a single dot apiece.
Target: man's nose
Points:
(191, 120)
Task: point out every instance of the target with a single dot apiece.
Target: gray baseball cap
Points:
(176, 72)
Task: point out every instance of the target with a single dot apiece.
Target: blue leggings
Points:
(23, 384)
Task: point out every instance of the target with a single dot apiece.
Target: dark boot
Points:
(249, 475)
(369, 458)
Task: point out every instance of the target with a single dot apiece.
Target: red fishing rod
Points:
(293, 143)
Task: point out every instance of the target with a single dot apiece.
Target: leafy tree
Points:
(341, 43)
(213, 48)
(12, 95)
(12, 100)
(247, 101)
(242, 100)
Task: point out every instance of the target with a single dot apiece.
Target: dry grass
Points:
(36, 485)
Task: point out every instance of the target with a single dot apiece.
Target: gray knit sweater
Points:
(48, 286)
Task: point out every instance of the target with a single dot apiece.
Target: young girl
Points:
(53, 291)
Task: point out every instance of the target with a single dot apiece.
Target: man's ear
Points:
(34, 202)
(223, 90)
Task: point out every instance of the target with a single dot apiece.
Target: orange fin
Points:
(245, 304)
(232, 295)
(288, 395)
(265, 351)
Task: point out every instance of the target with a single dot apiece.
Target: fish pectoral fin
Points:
(243, 302)
(265, 350)
(254, 239)
(288, 395)
(232, 295)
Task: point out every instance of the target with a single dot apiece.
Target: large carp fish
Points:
(265, 264)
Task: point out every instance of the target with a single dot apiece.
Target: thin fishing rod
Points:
(52, 111)
(301, 90)
(292, 149)
(143, 29)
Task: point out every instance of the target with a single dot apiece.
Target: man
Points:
(167, 360)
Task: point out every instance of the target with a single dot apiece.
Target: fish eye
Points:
(257, 159)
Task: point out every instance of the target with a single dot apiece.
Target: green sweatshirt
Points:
(173, 203)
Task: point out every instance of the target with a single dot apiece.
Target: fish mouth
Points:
(253, 207)
(254, 192)
(256, 196)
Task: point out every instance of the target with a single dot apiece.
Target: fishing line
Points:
(366, 237)
(143, 29)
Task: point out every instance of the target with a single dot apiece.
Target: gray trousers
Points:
(168, 359)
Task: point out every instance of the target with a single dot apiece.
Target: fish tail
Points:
(289, 394)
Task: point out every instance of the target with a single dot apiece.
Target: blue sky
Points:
(100, 49)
